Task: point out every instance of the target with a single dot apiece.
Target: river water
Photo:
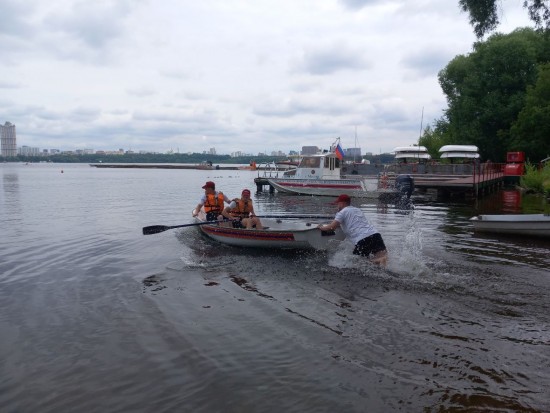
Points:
(96, 317)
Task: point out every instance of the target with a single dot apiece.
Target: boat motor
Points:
(405, 185)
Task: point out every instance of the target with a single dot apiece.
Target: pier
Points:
(470, 181)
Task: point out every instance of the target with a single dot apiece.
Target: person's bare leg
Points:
(380, 258)
(257, 222)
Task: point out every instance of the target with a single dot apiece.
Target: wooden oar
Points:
(298, 216)
(155, 229)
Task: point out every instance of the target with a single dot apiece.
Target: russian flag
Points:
(339, 152)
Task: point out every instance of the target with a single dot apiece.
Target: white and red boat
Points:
(281, 233)
(319, 174)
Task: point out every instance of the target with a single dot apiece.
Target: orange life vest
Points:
(214, 203)
(242, 208)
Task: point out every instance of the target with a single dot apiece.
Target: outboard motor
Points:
(405, 185)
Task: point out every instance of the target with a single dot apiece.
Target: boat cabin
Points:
(319, 166)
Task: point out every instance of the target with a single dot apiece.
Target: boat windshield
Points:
(310, 162)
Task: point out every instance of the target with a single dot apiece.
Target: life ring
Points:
(313, 171)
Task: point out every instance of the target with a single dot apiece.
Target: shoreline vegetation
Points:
(536, 179)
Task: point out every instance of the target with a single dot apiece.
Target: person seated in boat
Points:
(212, 201)
(368, 241)
(241, 212)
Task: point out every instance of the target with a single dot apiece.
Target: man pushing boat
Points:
(368, 241)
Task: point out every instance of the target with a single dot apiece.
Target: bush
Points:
(536, 179)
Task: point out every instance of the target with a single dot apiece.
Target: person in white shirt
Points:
(368, 241)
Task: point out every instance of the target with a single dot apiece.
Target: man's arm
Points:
(197, 209)
(329, 227)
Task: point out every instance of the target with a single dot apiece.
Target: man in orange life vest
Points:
(213, 202)
(241, 212)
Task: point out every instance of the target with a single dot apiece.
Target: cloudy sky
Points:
(234, 75)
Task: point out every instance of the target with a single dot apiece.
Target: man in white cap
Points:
(368, 241)
(241, 212)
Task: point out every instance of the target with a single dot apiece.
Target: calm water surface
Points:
(96, 317)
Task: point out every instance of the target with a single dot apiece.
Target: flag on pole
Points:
(339, 152)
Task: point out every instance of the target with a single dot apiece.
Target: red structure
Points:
(515, 164)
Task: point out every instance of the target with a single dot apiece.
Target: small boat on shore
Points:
(459, 151)
(278, 233)
(535, 225)
(411, 153)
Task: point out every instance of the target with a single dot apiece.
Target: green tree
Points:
(486, 89)
(531, 132)
(434, 138)
(484, 14)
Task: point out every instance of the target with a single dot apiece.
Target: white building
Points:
(29, 151)
(8, 140)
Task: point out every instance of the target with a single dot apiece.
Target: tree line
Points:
(193, 158)
(498, 95)
(498, 98)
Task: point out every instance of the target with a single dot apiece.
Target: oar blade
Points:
(155, 229)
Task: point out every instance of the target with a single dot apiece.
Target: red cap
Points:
(246, 191)
(343, 198)
(209, 184)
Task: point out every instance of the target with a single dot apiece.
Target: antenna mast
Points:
(355, 146)
(421, 120)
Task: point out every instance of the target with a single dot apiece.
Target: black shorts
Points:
(369, 245)
(237, 223)
(212, 216)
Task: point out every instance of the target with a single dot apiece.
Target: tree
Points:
(434, 139)
(484, 14)
(486, 89)
(531, 132)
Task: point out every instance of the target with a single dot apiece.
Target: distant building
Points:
(8, 140)
(309, 150)
(29, 151)
(212, 151)
(352, 152)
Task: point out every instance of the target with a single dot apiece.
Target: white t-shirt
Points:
(354, 224)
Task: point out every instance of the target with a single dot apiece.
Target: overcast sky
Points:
(236, 75)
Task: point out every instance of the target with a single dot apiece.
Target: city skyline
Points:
(25, 150)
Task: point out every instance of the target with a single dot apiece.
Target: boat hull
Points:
(361, 188)
(279, 234)
(535, 225)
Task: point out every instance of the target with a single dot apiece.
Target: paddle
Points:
(155, 229)
(297, 216)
